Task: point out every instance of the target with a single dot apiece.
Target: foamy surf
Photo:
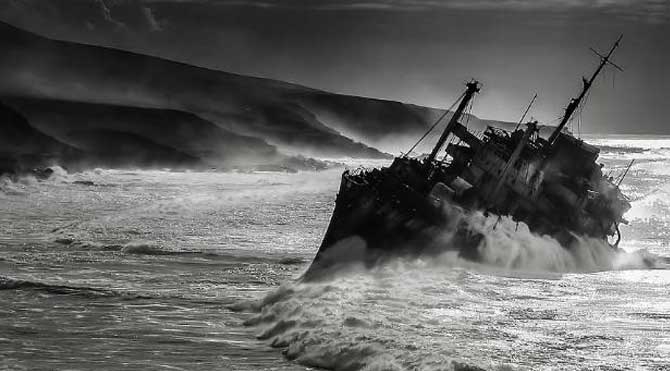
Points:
(380, 318)
(420, 315)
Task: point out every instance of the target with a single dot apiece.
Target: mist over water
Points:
(144, 270)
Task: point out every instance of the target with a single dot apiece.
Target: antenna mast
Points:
(574, 102)
(526, 112)
(625, 172)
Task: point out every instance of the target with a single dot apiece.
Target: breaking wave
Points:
(506, 245)
(377, 319)
(144, 248)
(291, 261)
(17, 185)
(386, 317)
(513, 246)
(9, 187)
(155, 248)
(9, 283)
(23, 183)
(132, 247)
(419, 314)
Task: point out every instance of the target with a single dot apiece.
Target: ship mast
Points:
(472, 88)
(574, 102)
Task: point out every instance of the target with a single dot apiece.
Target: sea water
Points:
(152, 270)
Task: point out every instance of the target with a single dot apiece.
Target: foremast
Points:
(471, 89)
(575, 102)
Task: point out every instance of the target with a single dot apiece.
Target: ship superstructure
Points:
(553, 185)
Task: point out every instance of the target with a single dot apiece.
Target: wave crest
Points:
(513, 246)
(9, 283)
(364, 320)
(380, 318)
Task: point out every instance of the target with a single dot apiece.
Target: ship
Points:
(554, 185)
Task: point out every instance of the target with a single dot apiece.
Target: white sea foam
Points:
(10, 187)
(427, 313)
(510, 245)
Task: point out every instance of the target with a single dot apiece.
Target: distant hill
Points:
(22, 146)
(218, 118)
(34, 66)
(182, 131)
(77, 134)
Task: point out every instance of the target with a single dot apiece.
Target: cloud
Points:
(136, 15)
(644, 10)
(105, 14)
(153, 24)
(123, 16)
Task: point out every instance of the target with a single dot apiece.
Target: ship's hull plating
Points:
(370, 223)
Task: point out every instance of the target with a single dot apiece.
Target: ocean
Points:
(161, 270)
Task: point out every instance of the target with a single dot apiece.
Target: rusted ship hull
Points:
(385, 217)
(372, 222)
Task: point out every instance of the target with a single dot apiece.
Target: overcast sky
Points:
(418, 51)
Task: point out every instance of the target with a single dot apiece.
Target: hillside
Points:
(183, 131)
(220, 118)
(22, 146)
(38, 132)
(38, 67)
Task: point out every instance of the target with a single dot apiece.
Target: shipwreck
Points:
(553, 185)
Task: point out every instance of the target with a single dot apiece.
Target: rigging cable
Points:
(469, 111)
(581, 110)
(451, 140)
(526, 112)
(435, 124)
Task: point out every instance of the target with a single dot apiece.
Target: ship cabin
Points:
(520, 174)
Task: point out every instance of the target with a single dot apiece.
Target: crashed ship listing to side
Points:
(553, 185)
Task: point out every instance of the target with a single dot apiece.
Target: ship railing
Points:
(490, 130)
(359, 171)
(357, 175)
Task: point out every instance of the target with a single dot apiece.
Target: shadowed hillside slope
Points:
(295, 119)
(39, 67)
(22, 146)
(176, 129)
(80, 134)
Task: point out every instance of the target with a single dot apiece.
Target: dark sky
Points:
(419, 51)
